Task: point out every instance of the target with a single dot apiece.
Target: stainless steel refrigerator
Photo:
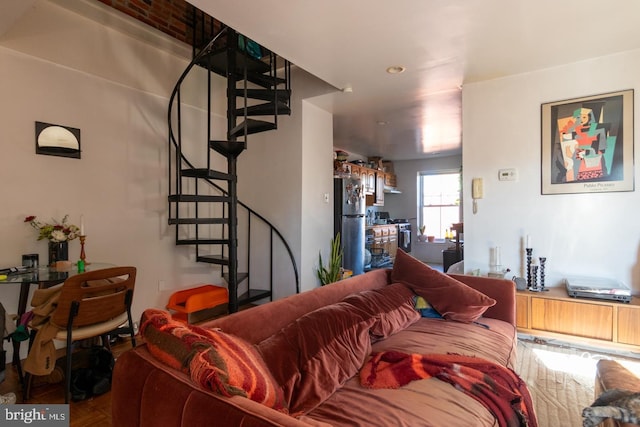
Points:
(349, 221)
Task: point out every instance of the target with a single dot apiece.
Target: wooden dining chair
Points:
(92, 304)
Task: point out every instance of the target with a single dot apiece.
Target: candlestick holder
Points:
(83, 256)
(534, 279)
(529, 254)
(542, 262)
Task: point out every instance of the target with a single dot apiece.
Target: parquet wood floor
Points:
(95, 411)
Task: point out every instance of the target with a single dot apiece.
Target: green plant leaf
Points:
(331, 273)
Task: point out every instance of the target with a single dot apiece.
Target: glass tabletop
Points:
(48, 276)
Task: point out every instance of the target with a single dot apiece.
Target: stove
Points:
(404, 235)
(398, 221)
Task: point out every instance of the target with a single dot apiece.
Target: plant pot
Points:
(431, 238)
(422, 238)
(58, 251)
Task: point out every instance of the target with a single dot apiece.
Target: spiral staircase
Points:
(203, 200)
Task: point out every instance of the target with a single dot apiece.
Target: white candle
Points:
(497, 255)
(528, 241)
(82, 225)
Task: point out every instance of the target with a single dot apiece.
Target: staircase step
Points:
(282, 95)
(241, 277)
(228, 148)
(202, 242)
(255, 68)
(253, 126)
(253, 295)
(267, 109)
(186, 221)
(207, 173)
(264, 80)
(188, 198)
(216, 61)
(213, 259)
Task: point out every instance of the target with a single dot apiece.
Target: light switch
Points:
(326, 197)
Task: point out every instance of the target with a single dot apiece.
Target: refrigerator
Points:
(349, 221)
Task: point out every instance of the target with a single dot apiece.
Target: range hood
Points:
(391, 190)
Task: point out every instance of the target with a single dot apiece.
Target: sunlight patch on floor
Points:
(584, 365)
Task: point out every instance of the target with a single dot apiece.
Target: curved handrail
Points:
(172, 140)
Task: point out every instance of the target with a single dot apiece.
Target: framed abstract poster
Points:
(587, 144)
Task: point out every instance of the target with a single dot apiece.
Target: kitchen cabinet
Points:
(384, 242)
(392, 246)
(390, 180)
(379, 190)
(374, 181)
(371, 181)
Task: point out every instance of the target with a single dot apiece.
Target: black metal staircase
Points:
(203, 201)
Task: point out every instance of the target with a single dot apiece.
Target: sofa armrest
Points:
(609, 375)
(145, 392)
(501, 290)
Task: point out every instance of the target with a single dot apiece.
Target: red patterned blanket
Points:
(498, 388)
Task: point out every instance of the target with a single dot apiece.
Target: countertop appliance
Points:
(349, 221)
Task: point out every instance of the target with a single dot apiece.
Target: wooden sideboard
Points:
(554, 314)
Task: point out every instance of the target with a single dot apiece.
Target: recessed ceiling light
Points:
(396, 69)
(381, 122)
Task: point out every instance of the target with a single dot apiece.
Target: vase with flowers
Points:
(58, 233)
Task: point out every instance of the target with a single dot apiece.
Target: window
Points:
(439, 206)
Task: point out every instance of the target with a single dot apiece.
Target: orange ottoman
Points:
(198, 304)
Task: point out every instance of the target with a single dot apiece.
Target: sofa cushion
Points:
(451, 298)
(169, 341)
(425, 309)
(220, 362)
(314, 355)
(391, 306)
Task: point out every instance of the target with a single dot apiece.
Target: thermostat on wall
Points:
(508, 174)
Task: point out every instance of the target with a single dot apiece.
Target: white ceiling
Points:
(443, 44)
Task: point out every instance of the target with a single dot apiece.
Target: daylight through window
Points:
(440, 203)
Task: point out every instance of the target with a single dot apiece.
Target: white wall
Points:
(60, 67)
(580, 234)
(317, 181)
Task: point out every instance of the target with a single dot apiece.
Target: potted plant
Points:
(332, 272)
(421, 236)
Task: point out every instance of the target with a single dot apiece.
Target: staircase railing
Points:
(177, 159)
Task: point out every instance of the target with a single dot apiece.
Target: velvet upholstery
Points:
(217, 361)
(311, 357)
(145, 392)
(609, 375)
(451, 298)
(392, 308)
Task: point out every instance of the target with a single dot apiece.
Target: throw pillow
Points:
(423, 307)
(314, 355)
(391, 306)
(451, 298)
(223, 363)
